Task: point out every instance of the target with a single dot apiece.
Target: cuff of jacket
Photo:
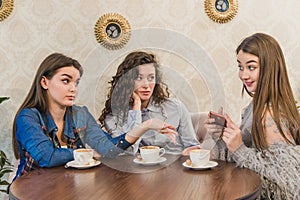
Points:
(123, 143)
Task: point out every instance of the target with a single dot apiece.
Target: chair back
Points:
(198, 119)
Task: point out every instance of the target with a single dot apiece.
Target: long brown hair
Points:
(37, 96)
(273, 88)
(122, 85)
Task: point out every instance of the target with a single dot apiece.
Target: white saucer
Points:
(209, 165)
(142, 162)
(75, 165)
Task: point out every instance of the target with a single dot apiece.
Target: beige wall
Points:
(196, 53)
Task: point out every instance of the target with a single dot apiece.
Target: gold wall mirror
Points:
(221, 11)
(6, 7)
(112, 31)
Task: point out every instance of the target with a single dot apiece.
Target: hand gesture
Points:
(213, 129)
(136, 105)
(154, 124)
(162, 127)
(232, 135)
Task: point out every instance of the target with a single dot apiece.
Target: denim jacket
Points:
(39, 146)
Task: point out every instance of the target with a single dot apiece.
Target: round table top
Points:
(122, 178)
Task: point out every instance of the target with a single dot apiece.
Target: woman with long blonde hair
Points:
(269, 136)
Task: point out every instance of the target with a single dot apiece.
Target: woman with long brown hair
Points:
(269, 136)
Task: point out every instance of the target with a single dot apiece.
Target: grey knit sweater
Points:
(279, 168)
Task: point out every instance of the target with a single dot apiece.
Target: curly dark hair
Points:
(122, 85)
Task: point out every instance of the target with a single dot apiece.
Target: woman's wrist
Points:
(130, 139)
(123, 143)
(136, 106)
(146, 125)
(136, 132)
(235, 150)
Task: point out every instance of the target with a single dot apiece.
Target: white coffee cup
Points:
(83, 156)
(200, 157)
(151, 153)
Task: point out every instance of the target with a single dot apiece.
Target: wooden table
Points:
(168, 180)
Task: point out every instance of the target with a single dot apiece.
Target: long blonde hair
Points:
(273, 88)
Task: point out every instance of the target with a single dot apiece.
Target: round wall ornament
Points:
(6, 7)
(221, 11)
(112, 31)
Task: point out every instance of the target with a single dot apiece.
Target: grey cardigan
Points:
(279, 168)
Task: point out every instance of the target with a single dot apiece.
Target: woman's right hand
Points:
(137, 103)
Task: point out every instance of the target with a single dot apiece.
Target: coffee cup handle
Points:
(162, 151)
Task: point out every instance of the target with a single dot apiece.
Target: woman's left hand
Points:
(168, 130)
(232, 135)
(136, 101)
(162, 127)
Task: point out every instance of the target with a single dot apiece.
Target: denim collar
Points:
(51, 126)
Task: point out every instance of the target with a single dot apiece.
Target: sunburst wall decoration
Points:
(112, 31)
(221, 11)
(6, 7)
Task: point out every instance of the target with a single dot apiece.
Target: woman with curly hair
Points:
(137, 93)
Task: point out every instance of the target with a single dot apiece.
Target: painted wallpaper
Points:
(197, 55)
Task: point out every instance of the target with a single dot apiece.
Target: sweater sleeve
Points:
(280, 165)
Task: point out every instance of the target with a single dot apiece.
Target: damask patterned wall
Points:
(196, 54)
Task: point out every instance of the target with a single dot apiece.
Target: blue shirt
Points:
(39, 146)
